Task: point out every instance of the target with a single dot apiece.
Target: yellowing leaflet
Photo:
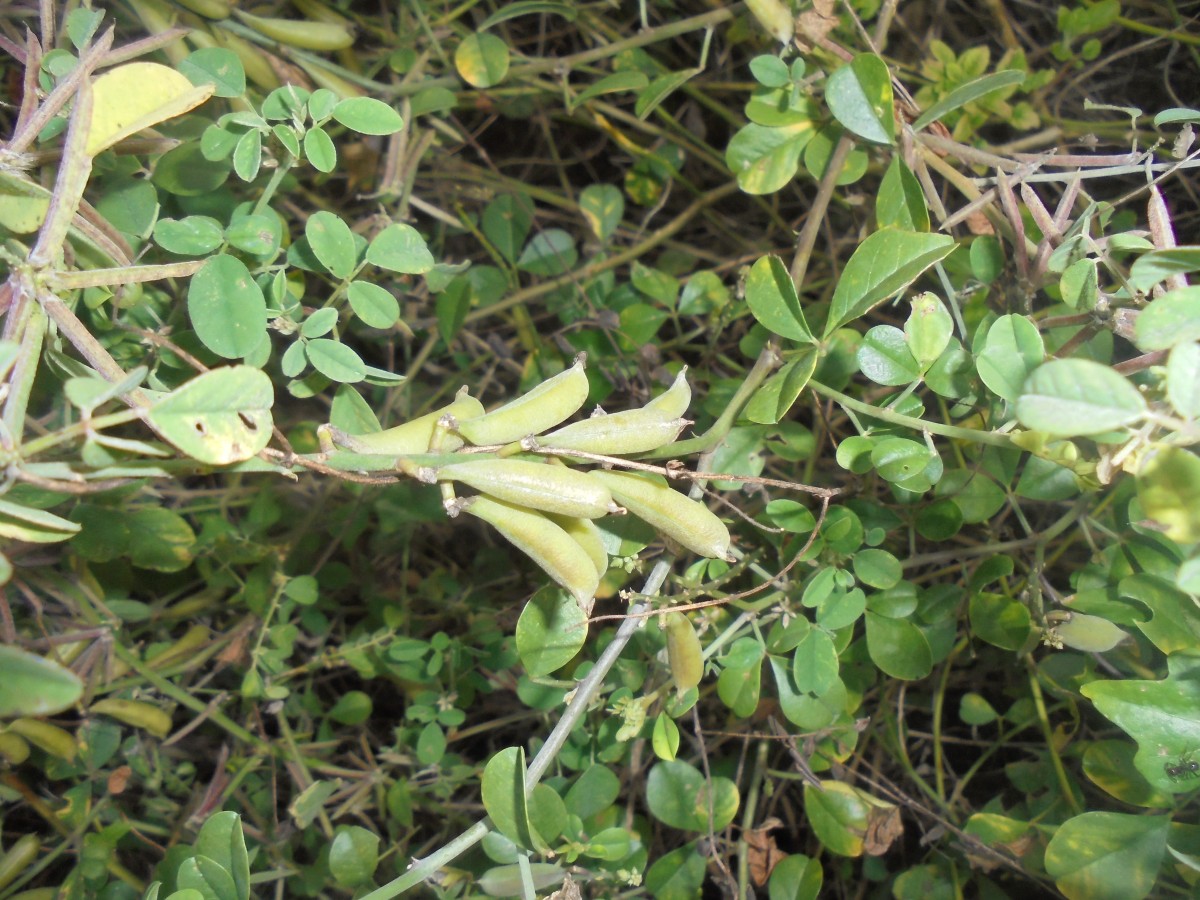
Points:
(136, 96)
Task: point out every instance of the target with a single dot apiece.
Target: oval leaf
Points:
(332, 242)
(967, 93)
(503, 790)
(136, 96)
(366, 115)
(374, 305)
(335, 361)
(353, 856)
(838, 815)
(860, 97)
(901, 202)
(884, 264)
(1168, 487)
(678, 795)
(772, 401)
(482, 60)
(898, 647)
(400, 248)
(551, 630)
(34, 685)
(884, 357)
(1070, 397)
(1013, 348)
(1172, 319)
(771, 296)
(220, 417)
(226, 307)
(765, 159)
(1157, 266)
(1107, 856)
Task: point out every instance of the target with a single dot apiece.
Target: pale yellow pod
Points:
(537, 485)
(319, 12)
(548, 404)
(210, 9)
(674, 401)
(183, 650)
(775, 17)
(618, 434)
(327, 79)
(684, 653)
(50, 738)
(19, 857)
(252, 58)
(587, 536)
(157, 17)
(686, 521)
(413, 436)
(300, 33)
(137, 713)
(14, 749)
(558, 554)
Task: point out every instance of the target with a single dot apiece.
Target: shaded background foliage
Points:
(336, 660)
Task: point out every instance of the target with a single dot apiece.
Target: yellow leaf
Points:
(136, 96)
(23, 204)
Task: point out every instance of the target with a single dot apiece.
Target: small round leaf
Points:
(482, 60)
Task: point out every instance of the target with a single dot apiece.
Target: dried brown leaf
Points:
(883, 827)
(763, 853)
(814, 25)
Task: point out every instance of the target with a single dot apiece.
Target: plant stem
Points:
(69, 432)
(90, 348)
(991, 438)
(182, 697)
(585, 693)
(641, 39)
(272, 185)
(816, 213)
(768, 360)
(26, 323)
(582, 275)
(1039, 702)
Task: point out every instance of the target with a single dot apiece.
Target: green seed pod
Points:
(536, 485)
(587, 536)
(551, 402)
(20, 856)
(411, 437)
(619, 434)
(676, 515)
(142, 715)
(684, 652)
(47, 737)
(300, 33)
(674, 401)
(543, 541)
